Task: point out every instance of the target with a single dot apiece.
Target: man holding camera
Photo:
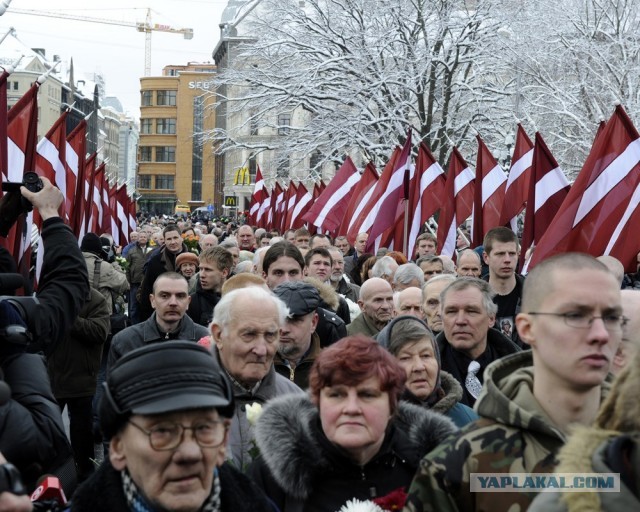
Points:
(32, 435)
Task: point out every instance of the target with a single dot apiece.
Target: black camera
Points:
(13, 204)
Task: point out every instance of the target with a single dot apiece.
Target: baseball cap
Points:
(301, 298)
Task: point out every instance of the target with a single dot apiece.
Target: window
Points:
(164, 182)
(147, 98)
(167, 98)
(165, 154)
(145, 153)
(144, 181)
(145, 126)
(253, 125)
(166, 126)
(252, 168)
(15, 86)
(284, 121)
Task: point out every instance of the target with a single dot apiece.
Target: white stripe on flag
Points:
(521, 165)
(47, 150)
(615, 172)
(552, 182)
(363, 203)
(396, 181)
(72, 159)
(450, 242)
(492, 182)
(15, 162)
(462, 180)
(427, 178)
(633, 204)
(346, 187)
(304, 201)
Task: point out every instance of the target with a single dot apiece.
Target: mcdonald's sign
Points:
(231, 201)
(242, 177)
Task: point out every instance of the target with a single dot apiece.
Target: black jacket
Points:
(32, 435)
(202, 304)
(74, 365)
(102, 492)
(157, 263)
(63, 285)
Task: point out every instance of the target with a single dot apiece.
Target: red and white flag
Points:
(277, 196)
(265, 208)
(547, 191)
(105, 222)
(22, 123)
(517, 189)
(303, 203)
(388, 207)
(360, 198)
(259, 191)
(95, 201)
(328, 211)
(599, 205)
(121, 235)
(491, 182)
(291, 196)
(83, 191)
(75, 154)
(133, 219)
(426, 196)
(457, 204)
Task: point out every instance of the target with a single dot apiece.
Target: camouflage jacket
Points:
(513, 435)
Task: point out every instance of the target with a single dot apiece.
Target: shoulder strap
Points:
(96, 272)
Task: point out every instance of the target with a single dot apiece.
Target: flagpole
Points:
(406, 229)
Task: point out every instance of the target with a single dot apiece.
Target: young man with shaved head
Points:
(572, 318)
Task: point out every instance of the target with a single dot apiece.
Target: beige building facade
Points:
(175, 167)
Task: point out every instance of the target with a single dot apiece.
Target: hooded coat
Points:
(513, 435)
(300, 469)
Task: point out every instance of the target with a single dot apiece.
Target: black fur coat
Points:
(300, 469)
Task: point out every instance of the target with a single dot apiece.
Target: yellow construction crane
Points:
(147, 27)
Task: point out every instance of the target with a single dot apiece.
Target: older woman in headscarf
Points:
(412, 343)
(350, 438)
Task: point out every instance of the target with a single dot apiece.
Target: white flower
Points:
(360, 506)
(253, 412)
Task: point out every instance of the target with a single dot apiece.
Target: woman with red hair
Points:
(350, 438)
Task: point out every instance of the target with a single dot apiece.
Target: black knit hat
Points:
(161, 378)
(91, 243)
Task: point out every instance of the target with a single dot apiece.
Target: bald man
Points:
(631, 334)
(469, 264)
(376, 304)
(408, 302)
(614, 265)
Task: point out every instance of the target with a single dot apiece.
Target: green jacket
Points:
(513, 435)
(362, 325)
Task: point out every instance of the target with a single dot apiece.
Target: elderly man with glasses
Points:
(167, 409)
(572, 319)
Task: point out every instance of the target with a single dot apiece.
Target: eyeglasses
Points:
(168, 436)
(611, 321)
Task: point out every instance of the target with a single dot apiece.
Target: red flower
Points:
(392, 501)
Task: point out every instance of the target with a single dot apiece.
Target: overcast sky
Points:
(118, 51)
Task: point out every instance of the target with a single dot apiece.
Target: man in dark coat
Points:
(32, 435)
(162, 261)
(152, 396)
(73, 369)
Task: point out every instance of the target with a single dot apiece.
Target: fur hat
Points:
(186, 257)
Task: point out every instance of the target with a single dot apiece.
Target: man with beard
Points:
(299, 343)
(338, 279)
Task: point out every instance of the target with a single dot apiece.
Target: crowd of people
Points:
(213, 367)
